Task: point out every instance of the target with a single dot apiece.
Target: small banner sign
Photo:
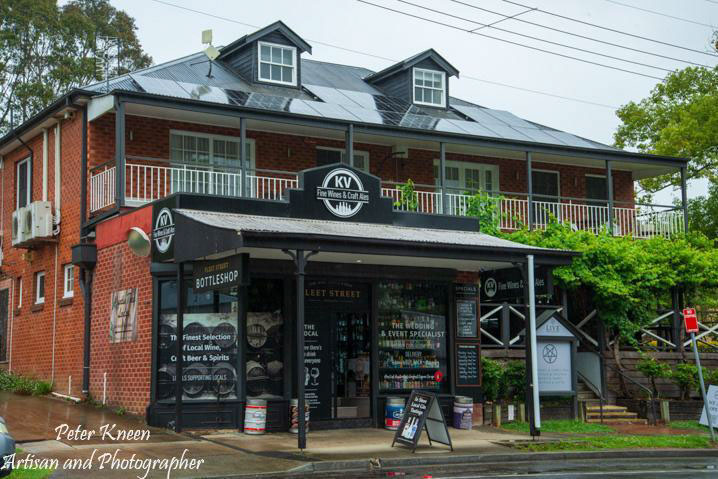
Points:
(711, 405)
(422, 411)
(217, 274)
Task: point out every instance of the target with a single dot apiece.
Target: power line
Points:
(612, 29)
(379, 57)
(659, 13)
(563, 45)
(578, 35)
(583, 60)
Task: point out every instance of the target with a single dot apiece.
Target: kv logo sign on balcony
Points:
(342, 193)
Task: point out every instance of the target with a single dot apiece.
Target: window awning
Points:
(207, 234)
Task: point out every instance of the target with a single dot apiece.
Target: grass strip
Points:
(620, 442)
(566, 426)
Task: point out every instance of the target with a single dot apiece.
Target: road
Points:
(687, 467)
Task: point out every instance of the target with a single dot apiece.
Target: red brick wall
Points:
(150, 138)
(126, 363)
(31, 351)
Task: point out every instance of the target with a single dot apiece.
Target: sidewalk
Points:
(32, 421)
(231, 454)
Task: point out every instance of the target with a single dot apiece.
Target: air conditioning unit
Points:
(20, 226)
(40, 219)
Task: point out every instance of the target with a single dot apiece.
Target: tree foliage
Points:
(626, 275)
(703, 213)
(45, 50)
(678, 118)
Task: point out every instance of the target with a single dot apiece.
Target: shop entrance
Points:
(337, 352)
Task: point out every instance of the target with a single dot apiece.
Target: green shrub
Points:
(686, 378)
(515, 377)
(653, 369)
(492, 379)
(407, 197)
(487, 209)
(23, 385)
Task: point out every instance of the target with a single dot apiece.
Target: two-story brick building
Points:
(236, 159)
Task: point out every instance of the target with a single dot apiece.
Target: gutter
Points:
(67, 100)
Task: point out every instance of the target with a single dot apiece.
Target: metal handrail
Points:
(592, 387)
(650, 393)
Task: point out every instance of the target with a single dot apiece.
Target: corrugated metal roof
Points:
(340, 229)
(336, 92)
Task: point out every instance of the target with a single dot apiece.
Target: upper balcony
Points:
(150, 179)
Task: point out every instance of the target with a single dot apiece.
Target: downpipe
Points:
(86, 277)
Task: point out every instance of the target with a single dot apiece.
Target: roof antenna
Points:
(210, 51)
(103, 55)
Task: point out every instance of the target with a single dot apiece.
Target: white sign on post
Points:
(712, 406)
(554, 366)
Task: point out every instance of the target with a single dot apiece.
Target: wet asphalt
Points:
(681, 467)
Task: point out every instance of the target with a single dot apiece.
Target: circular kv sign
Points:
(164, 230)
(342, 193)
(490, 287)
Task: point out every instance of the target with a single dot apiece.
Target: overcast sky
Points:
(168, 32)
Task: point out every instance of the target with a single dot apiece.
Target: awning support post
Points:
(529, 190)
(684, 198)
(442, 178)
(535, 417)
(242, 156)
(300, 262)
(349, 145)
(609, 188)
(179, 364)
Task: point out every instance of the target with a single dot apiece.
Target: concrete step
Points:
(617, 421)
(606, 407)
(613, 415)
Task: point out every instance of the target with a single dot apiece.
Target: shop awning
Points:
(207, 234)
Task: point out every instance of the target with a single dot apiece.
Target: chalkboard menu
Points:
(468, 364)
(317, 367)
(422, 411)
(465, 296)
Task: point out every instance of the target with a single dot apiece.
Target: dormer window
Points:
(429, 87)
(277, 63)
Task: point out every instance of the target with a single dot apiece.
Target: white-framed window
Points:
(209, 164)
(465, 176)
(68, 288)
(429, 87)
(546, 185)
(40, 287)
(327, 155)
(23, 181)
(277, 63)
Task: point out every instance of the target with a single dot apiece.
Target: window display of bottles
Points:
(397, 382)
(408, 360)
(412, 336)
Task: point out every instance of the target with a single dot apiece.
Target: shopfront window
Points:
(412, 336)
(210, 344)
(265, 339)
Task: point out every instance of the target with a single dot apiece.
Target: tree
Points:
(703, 213)
(46, 50)
(678, 118)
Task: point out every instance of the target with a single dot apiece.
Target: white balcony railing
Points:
(149, 182)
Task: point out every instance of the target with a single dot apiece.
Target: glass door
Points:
(337, 364)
